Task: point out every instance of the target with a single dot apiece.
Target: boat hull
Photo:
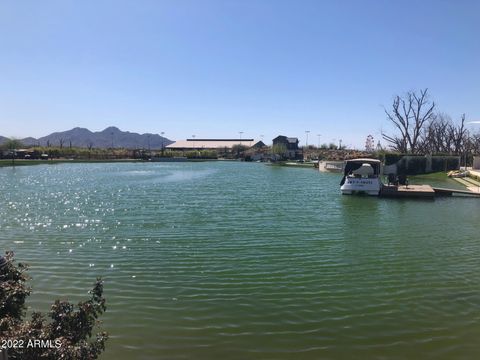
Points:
(369, 186)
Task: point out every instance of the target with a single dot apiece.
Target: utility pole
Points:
(163, 141)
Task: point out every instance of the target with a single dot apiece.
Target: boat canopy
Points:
(355, 164)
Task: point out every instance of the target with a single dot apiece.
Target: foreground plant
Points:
(65, 333)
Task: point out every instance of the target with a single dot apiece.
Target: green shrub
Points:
(416, 165)
(445, 163)
(453, 163)
(68, 330)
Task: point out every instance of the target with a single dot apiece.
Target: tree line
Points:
(421, 129)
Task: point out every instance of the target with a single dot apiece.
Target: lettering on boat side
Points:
(357, 182)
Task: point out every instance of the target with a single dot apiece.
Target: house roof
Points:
(210, 143)
(259, 144)
(235, 140)
(292, 140)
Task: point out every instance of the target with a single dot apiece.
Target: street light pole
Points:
(163, 141)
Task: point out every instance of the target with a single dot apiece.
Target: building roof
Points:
(259, 144)
(292, 140)
(238, 140)
(210, 143)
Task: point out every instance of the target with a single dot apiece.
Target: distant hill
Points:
(110, 137)
(29, 140)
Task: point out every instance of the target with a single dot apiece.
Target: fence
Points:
(476, 162)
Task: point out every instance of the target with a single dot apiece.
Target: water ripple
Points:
(236, 260)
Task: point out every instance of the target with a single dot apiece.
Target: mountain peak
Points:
(111, 129)
(109, 137)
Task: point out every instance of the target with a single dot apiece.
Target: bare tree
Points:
(474, 143)
(459, 136)
(442, 135)
(434, 139)
(409, 115)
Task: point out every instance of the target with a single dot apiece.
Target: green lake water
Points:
(227, 260)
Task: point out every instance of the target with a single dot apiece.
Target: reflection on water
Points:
(238, 260)
(172, 173)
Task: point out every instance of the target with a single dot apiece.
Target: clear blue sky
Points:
(214, 68)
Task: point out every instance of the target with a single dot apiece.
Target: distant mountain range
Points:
(110, 137)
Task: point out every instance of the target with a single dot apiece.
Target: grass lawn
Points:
(439, 179)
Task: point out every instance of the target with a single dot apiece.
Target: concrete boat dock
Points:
(411, 191)
(422, 191)
(450, 192)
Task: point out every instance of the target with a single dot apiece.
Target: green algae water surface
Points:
(224, 260)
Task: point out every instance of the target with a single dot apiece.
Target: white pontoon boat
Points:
(362, 176)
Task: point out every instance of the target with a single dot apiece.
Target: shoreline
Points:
(22, 162)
